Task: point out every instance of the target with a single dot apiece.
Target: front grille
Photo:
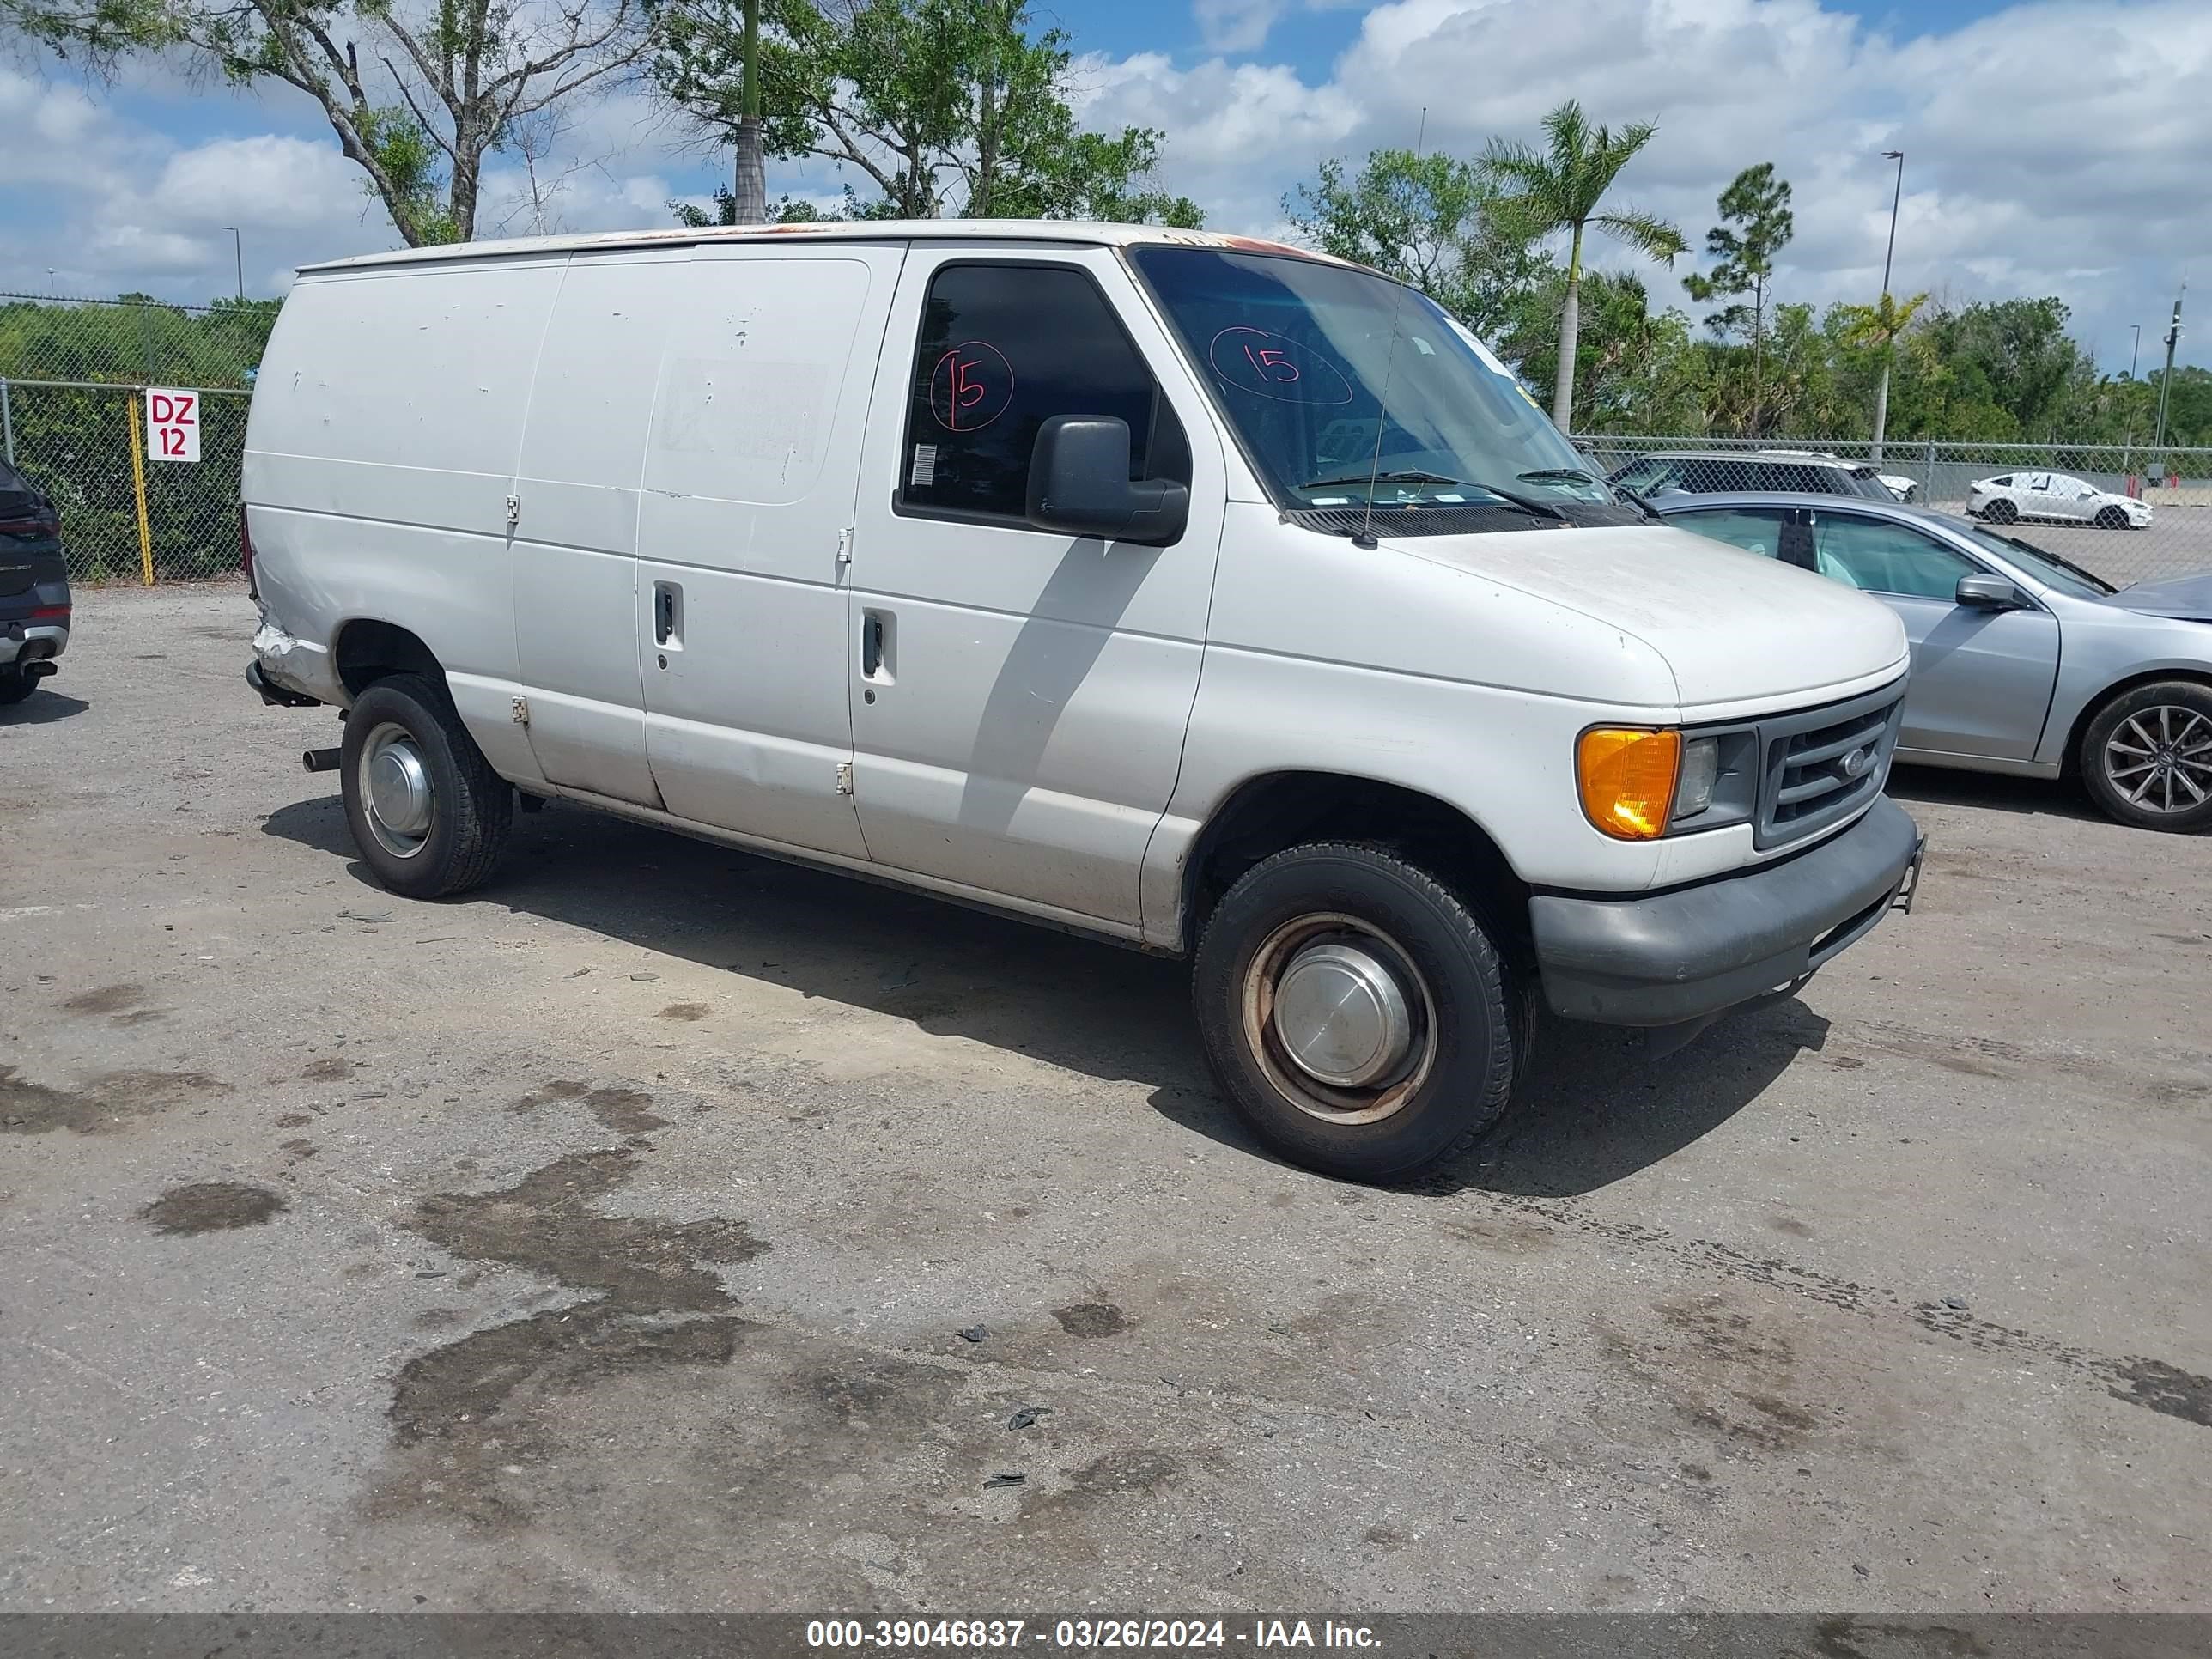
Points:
(1824, 765)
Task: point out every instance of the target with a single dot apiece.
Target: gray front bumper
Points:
(1666, 958)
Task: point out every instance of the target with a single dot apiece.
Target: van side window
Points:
(1003, 349)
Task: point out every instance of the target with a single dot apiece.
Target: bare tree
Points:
(445, 83)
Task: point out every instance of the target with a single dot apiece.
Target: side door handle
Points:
(666, 616)
(878, 643)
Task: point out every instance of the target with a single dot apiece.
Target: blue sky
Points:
(2054, 146)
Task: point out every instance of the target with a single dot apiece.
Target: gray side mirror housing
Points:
(1989, 594)
(1079, 485)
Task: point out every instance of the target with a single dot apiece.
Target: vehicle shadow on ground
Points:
(1593, 1109)
(42, 707)
(1941, 787)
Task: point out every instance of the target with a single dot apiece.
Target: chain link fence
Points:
(2176, 484)
(85, 445)
(74, 375)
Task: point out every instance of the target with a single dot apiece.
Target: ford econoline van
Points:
(1186, 589)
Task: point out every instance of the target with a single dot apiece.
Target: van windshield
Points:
(1299, 355)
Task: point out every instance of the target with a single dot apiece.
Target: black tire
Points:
(14, 685)
(1474, 1020)
(2001, 512)
(2112, 517)
(2149, 745)
(470, 807)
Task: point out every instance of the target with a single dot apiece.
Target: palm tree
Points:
(750, 186)
(1560, 189)
(1878, 324)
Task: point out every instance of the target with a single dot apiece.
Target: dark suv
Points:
(1720, 471)
(34, 595)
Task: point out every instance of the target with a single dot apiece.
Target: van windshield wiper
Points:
(1404, 475)
(1640, 503)
(1579, 475)
(1414, 474)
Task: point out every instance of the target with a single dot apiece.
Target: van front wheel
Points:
(1355, 1012)
(428, 814)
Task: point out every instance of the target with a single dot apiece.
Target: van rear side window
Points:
(1004, 347)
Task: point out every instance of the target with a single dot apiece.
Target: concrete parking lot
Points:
(661, 1227)
(2177, 542)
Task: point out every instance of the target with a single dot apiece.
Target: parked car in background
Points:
(1705, 472)
(2058, 496)
(2022, 661)
(1905, 489)
(35, 593)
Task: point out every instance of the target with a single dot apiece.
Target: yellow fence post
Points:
(138, 483)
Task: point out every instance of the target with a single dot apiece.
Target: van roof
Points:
(860, 230)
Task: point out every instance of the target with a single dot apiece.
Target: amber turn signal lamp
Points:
(1627, 780)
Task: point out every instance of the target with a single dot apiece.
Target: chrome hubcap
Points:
(2160, 759)
(395, 790)
(1338, 1018)
(1341, 1016)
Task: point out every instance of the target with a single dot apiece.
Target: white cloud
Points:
(1236, 133)
(107, 198)
(264, 183)
(2056, 146)
(1236, 25)
(2052, 148)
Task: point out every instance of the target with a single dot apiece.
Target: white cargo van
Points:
(1185, 590)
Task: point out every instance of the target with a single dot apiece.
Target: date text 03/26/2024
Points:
(1087, 1635)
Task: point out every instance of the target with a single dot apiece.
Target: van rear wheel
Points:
(1357, 1012)
(428, 814)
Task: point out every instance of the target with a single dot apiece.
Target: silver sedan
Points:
(2022, 661)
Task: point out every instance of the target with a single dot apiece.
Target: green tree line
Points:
(1756, 364)
(134, 339)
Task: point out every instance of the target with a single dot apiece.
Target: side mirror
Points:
(1989, 594)
(1079, 485)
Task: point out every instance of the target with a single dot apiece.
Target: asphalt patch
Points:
(103, 1106)
(108, 1000)
(2167, 1389)
(655, 1305)
(212, 1207)
(626, 1111)
(1092, 1319)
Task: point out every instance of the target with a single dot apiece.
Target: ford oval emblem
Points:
(1854, 764)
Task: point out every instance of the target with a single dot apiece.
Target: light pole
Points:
(2128, 443)
(238, 253)
(2166, 381)
(1889, 341)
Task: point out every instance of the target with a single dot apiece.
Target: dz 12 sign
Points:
(172, 424)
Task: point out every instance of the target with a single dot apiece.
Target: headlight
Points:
(1701, 770)
(1626, 777)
